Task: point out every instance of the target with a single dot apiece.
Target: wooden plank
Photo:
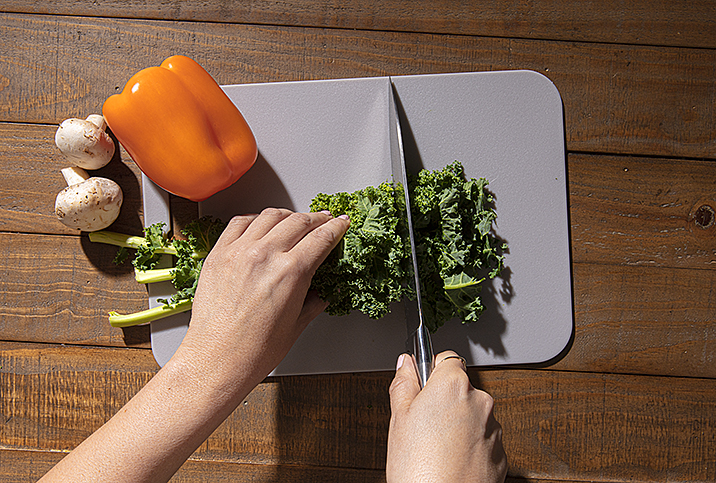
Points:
(638, 319)
(643, 320)
(61, 288)
(604, 427)
(558, 425)
(26, 466)
(617, 98)
(642, 211)
(17, 466)
(657, 22)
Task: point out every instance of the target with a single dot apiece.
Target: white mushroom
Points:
(88, 204)
(85, 142)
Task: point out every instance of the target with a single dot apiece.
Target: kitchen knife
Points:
(418, 342)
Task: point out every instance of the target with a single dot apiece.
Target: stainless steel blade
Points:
(419, 343)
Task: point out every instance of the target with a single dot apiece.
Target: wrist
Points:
(223, 375)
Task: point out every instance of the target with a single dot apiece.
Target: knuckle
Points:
(255, 254)
(398, 386)
(301, 219)
(272, 212)
(456, 382)
(291, 267)
(485, 401)
(324, 234)
(238, 221)
(395, 385)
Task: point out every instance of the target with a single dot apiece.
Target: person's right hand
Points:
(444, 433)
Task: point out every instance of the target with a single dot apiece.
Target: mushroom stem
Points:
(74, 175)
(97, 120)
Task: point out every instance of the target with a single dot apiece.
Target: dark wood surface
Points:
(634, 398)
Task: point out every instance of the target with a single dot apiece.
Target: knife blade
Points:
(418, 342)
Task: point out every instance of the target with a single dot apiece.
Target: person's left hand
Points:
(252, 301)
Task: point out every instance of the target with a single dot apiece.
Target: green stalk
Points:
(127, 241)
(149, 315)
(155, 275)
(130, 241)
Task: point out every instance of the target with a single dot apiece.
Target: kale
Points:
(456, 249)
(370, 269)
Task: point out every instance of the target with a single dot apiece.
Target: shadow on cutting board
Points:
(259, 188)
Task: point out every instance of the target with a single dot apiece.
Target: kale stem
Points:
(155, 275)
(149, 315)
(127, 241)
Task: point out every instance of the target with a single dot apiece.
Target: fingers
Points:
(451, 358)
(266, 221)
(449, 374)
(286, 229)
(293, 228)
(312, 307)
(234, 229)
(405, 386)
(313, 249)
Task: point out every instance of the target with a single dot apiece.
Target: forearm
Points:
(155, 432)
(251, 305)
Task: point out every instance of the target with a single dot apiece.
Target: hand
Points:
(251, 303)
(444, 433)
(250, 307)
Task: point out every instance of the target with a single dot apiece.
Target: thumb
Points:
(405, 386)
(312, 307)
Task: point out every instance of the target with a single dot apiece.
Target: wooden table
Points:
(633, 399)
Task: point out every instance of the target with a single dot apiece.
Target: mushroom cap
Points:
(84, 143)
(91, 205)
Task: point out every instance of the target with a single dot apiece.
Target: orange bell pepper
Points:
(181, 129)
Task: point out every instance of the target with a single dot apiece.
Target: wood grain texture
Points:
(607, 427)
(644, 320)
(614, 95)
(17, 466)
(686, 24)
(26, 466)
(61, 289)
(558, 425)
(642, 211)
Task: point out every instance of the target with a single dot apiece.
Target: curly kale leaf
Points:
(200, 237)
(456, 248)
(456, 251)
(149, 253)
(188, 254)
(367, 269)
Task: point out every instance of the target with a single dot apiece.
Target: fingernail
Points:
(326, 212)
(401, 360)
(344, 217)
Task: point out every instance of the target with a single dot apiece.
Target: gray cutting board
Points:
(329, 136)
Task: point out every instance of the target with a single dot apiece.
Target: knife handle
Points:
(423, 352)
